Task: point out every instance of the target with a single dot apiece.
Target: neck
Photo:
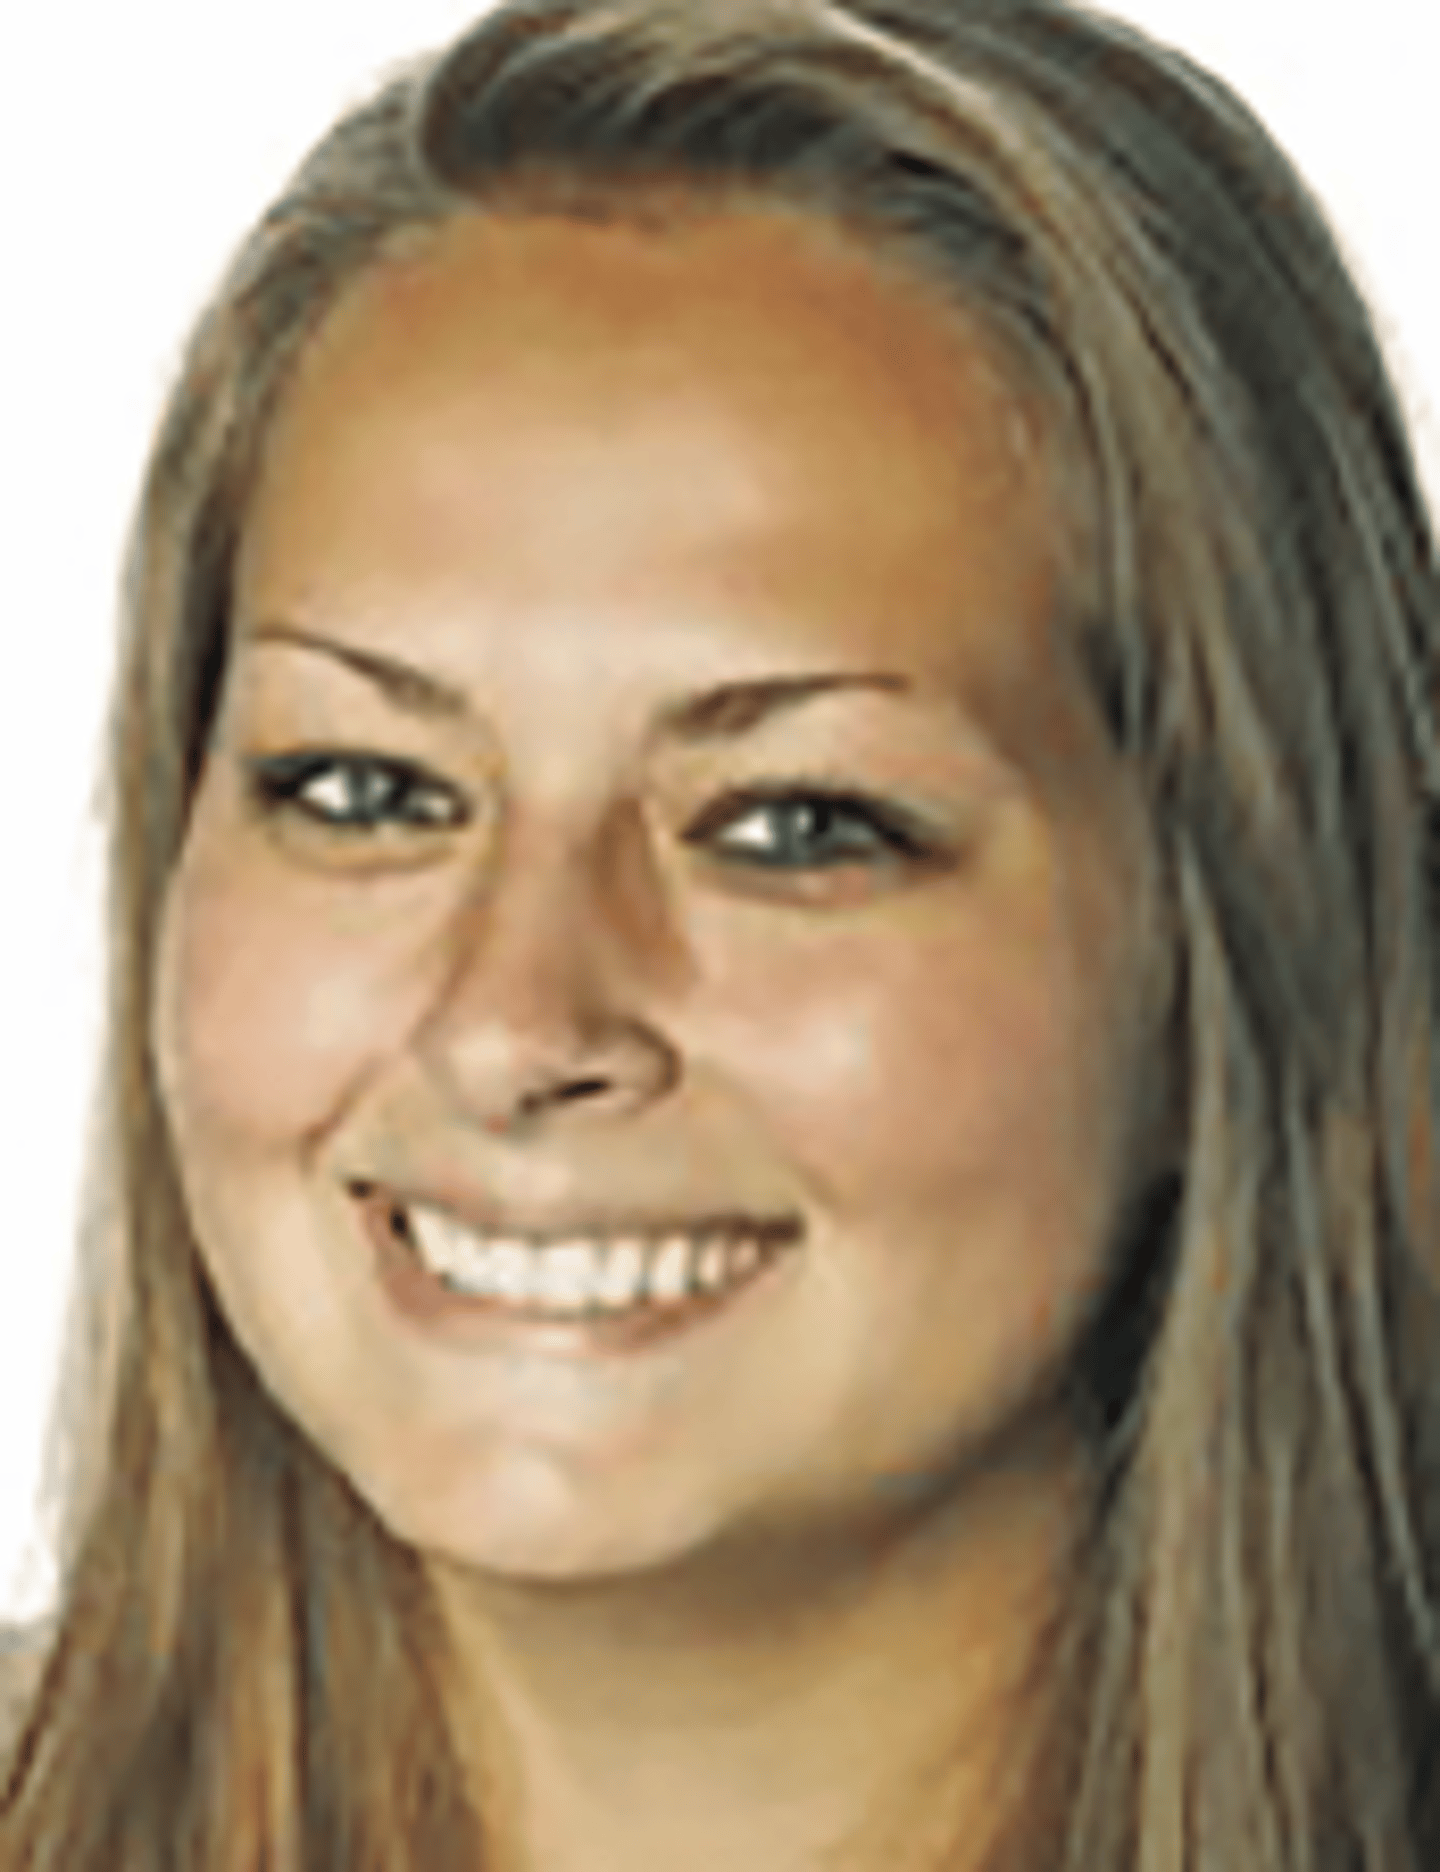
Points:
(771, 1705)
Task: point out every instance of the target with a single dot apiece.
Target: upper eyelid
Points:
(297, 763)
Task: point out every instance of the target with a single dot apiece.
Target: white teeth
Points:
(745, 1254)
(443, 1245)
(514, 1269)
(710, 1269)
(623, 1275)
(567, 1275)
(670, 1270)
(571, 1278)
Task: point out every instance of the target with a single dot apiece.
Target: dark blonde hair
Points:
(246, 1670)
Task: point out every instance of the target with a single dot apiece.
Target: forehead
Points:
(745, 394)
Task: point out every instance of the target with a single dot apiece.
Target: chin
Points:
(529, 1519)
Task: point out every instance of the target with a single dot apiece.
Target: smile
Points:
(670, 1271)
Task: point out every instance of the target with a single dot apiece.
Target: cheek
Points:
(905, 1067)
(270, 1007)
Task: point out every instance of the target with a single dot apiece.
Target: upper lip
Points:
(583, 1225)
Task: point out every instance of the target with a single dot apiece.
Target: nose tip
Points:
(542, 1020)
(511, 1082)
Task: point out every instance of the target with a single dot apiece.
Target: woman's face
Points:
(652, 834)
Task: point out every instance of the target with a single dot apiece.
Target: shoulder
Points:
(22, 1657)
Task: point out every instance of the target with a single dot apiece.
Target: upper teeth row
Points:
(581, 1275)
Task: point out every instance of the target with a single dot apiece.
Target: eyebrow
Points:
(732, 709)
(407, 687)
(721, 713)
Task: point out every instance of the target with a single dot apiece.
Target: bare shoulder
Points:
(22, 1657)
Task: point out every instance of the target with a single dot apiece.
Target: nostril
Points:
(564, 1093)
(505, 1073)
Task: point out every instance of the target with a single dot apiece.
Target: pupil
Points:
(813, 822)
(377, 789)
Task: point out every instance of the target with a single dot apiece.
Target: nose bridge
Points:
(553, 980)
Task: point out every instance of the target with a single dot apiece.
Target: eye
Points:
(809, 829)
(356, 794)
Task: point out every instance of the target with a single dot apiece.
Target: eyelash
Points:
(397, 796)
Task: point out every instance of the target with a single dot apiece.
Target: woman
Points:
(773, 1074)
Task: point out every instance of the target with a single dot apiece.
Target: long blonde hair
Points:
(246, 1670)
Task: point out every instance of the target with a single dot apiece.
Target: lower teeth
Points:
(585, 1310)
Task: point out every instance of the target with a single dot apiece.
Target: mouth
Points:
(626, 1282)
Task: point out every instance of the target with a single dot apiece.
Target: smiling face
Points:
(650, 811)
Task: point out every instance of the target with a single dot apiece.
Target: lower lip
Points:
(424, 1300)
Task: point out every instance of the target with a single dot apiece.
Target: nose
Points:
(543, 1015)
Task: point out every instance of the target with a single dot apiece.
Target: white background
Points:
(137, 141)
